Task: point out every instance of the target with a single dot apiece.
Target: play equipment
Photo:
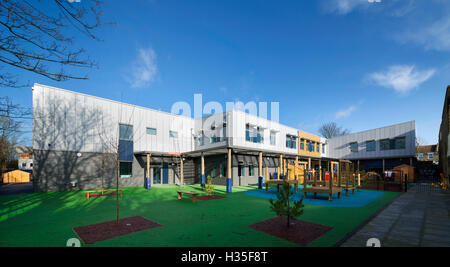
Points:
(347, 178)
(281, 182)
(324, 187)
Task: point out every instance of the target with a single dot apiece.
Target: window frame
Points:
(120, 132)
(151, 128)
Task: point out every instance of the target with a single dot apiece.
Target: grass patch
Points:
(47, 219)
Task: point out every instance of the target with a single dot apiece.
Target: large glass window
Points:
(370, 145)
(309, 146)
(302, 144)
(317, 147)
(384, 144)
(323, 148)
(151, 131)
(400, 142)
(354, 147)
(126, 169)
(125, 132)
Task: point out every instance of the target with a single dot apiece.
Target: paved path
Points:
(420, 217)
(19, 188)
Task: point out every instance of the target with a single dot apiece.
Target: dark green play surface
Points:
(47, 219)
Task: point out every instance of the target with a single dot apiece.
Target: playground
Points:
(49, 219)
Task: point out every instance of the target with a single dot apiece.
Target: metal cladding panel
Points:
(339, 147)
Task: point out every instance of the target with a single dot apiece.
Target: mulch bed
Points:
(106, 230)
(211, 197)
(300, 232)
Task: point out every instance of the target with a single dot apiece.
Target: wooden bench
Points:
(280, 182)
(102, 193)
(194, 195)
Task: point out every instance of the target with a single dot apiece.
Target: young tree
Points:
(282, 206)
(36, 36)
(209, 187)
(331, 129)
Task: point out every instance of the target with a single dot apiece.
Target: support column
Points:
(295, 168)
(148, 180)
(383, 166)
(309, 167)
(410, 162)
(320, 170)
(229, 181)
(203, 178)
(280, 168)
(181, 171)
(284, 169)
(260, 171)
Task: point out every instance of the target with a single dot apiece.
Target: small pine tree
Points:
(282, 206)
(209, 187)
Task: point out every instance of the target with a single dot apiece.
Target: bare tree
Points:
(36, 36)
(331, 129)
(11, 122)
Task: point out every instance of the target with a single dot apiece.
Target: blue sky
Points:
(363, 65)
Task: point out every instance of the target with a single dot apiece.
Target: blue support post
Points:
(203, 180)
(260, 182)
(229, 185)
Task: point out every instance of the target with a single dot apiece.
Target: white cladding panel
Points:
(339, 147)
(69, 121)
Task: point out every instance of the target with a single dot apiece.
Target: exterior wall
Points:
(25, 164)
(444, 138)
(304, 138)
(69, 121)
(339, 147)
(237, 121)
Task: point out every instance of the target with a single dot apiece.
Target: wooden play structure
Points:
(16, 176)
(281, 182)
(322, 187)
(347, 179)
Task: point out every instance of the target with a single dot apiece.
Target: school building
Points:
(79, 138)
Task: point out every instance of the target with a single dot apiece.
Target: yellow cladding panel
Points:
(303, 136)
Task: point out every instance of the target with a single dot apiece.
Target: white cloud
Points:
(345, 112)
(435, 36)
(401, 78)
(144, 68)
(342, 7)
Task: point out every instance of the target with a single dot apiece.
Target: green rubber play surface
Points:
(47, 219)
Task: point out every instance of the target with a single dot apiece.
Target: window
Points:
(323, 148)
(354, 147)
(151, 131)
(317, 147)
(240, 170)
(302, 144)
(24, 165)
(247, 132)
(31, 165)
(125, 132)
(430, 155)
(213, 172)
(420, 156)
(309, 146)
(291, 141)
(273, 138)
(223, 170)
(251, 170)
(384, 144)
(173, 134)
(400, 142)
(370, 145)
(126, 169)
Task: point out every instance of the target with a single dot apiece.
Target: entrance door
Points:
(165, 173)
(156, 175)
